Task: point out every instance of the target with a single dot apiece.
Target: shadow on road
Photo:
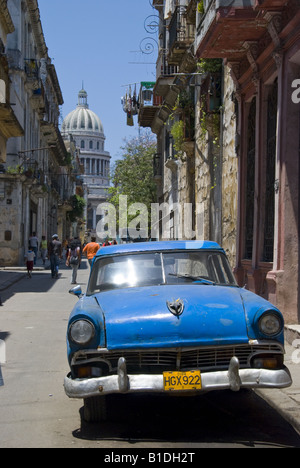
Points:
(216, 418)
(40, 282)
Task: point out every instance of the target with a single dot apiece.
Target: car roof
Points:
(157, 246)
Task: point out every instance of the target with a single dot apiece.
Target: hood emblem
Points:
(176, 307)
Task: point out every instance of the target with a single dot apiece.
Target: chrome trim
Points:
(233, 378)
(201, 357)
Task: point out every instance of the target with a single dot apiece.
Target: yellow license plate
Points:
(179, 381)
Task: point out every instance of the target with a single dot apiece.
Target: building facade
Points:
(264, 62)
(86, 130)
(9, 124)
(228, 133)
(36, 181)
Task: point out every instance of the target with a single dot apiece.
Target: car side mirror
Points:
(76, 291)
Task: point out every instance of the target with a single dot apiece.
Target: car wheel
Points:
(95, 409)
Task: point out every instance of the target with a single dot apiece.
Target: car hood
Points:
(140, 317)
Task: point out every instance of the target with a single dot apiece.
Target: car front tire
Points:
(95, 409)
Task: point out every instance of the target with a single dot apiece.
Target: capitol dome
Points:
(82, 120)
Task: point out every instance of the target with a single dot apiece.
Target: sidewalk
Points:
(11, 275)
(8, 278)
(285, 401)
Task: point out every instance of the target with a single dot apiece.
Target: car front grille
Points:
(151, 361)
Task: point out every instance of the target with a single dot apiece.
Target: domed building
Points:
(87, 132)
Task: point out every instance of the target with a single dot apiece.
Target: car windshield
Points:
(164, 268)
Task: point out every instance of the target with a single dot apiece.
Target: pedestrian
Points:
(91, 249)
(44, 249)
(106, 243)
(34, 243)
(74, 260)
(29, 260)
(55, 254)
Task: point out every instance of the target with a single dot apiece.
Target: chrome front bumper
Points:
(234, 379)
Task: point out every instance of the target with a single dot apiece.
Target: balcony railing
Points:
(163, 69)
(149, 102)
(31, 170)
(181, 35)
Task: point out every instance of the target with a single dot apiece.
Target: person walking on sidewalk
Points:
(91, 249)
(33, 243)
(29, 260)
(44, 249)
(55, 254)
(74, 260)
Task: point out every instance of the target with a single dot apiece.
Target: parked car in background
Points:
(169, 317)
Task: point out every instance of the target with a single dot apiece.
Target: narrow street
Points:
(34, 411)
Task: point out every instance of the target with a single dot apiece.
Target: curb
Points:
(11, 282)
(286, 406)
(292, 333)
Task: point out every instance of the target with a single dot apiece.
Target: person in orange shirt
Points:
(91, 249)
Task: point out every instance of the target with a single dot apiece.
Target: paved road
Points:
(34, 411)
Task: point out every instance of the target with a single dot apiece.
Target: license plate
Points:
(179, 381)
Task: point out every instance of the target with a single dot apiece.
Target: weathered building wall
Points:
(203, 183)
(208, 181)
(10, 219)
(229, 170)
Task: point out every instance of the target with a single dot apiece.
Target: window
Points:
(91, 145)
(82, 144)
(270, 175)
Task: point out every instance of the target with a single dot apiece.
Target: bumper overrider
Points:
(234, 379)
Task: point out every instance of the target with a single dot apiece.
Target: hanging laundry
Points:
(130, 121)
(124, 103)
(134, 104)
(130, 105)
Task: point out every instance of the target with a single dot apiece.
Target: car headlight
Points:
(81, 332)
(270, 324)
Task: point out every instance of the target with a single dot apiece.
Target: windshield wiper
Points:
(193, 278)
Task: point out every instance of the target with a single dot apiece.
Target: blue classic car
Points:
(169, 317)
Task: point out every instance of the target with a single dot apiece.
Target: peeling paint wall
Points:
(10, 220)
(229, 171)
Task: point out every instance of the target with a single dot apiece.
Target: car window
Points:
(126, 271)
(150, 269)
(187, 266)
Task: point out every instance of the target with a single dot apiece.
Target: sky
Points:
(95, 42)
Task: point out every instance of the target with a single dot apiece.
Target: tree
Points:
(132, 176)
(78, 204)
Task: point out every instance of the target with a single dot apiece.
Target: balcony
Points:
(31, 69)
(9, 124)
(181, 36)
(222, 29)
(38, 98)
(165, 74)
(149, 104)
(272, 5)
